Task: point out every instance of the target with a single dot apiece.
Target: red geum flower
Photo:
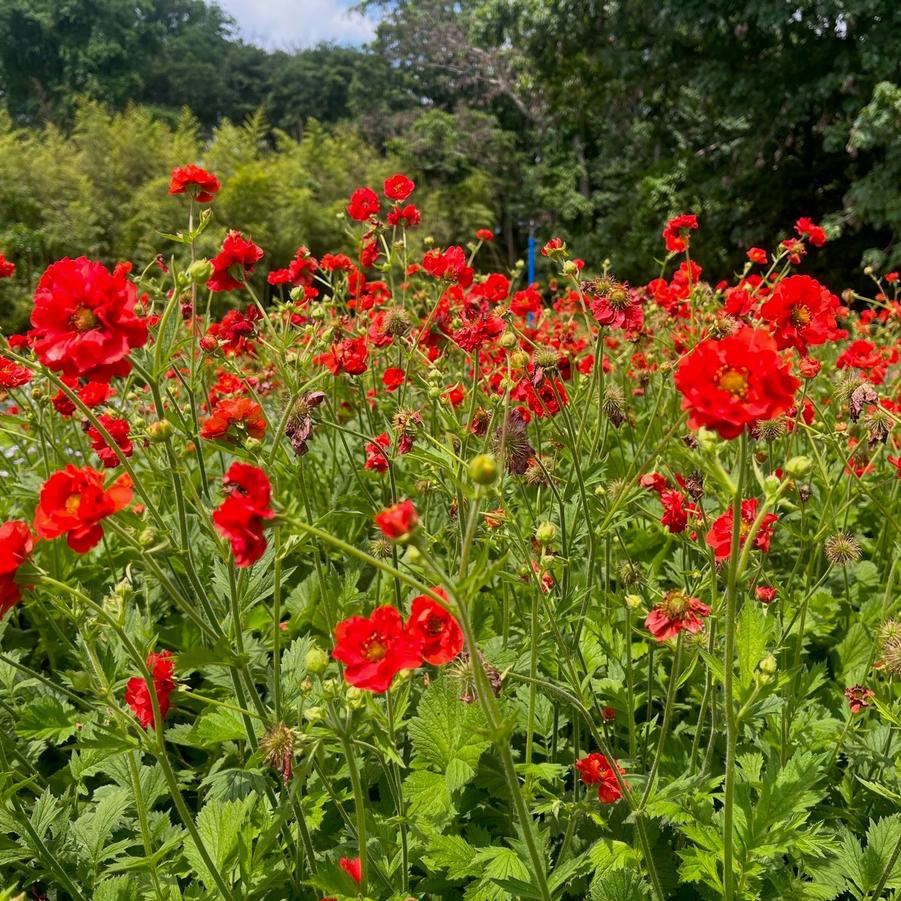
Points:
(720, 535)
(454, 394)
(73, 502)
(678, 231)
(353, 867)
(677, 611)
(12, 375)
(7, 269)
(434, 629)
(407, 215)
(801, 312)
(137, 692)
(757, 255)
(194, 181)
(349, 355)
(393, 378)
(858, 697)
(765, 594)
(299, 272)
(93, 394)
(449, 264)
(84, 319)
(375, 649)
(119, 430)
(398, 520)
(596, 769)
(16, 544)
(675, 512)
(234, 333)
(233, 418)
(732, 383)
(806, 226)
(398, 187)
(484, 234)
(375, 456)
(241, 516)
(234, 263)
(364, 202)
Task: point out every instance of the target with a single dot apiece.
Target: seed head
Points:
(841, 549)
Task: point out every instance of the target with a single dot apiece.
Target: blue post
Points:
(531, 258)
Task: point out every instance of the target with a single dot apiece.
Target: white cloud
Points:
(290, 24)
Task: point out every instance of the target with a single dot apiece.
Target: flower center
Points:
(435, 626)
(375, 648)
(675, 604)
(733, 381)
(619, 299)
(800, 315)
(73, 502)
(83, 320)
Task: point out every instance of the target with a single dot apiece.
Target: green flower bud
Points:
(316, 660)
(507, 340)
(199, 271)
(771, 485)
(159, 431)
(798, 467)
(545, 533)
(769, 665)
(483, 469)
(633, 601)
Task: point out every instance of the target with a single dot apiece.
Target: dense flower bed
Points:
(422, 582)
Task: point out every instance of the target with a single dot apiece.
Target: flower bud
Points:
(519, 359)
(797, 467)
(771, 485)
(199, 271)
(507, 340)
(633, 601)
(316, 661)
(545, 533)
(769, 665)
(159, 431)
(483, 469)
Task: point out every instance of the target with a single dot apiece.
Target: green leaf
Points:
(92, 830)
(219, 824)
(619, 885)
(752, 636)
(46, 718)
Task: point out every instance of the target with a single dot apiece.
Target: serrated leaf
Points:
(47, 718)
(219, 825)
(93, 829)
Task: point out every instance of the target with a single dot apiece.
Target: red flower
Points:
(234, 263)
(731, 383)
(806, 226)
(596, 769)
(398, 520)
(434, 629)
(485, 234)
(801, 311)
(675, 513)
(858, 697)
(765, 594)
(232, 418)
(137, 692)
(678, 231)
(12, 375)
(720, 535)
(398, 187)
(119, 430)
(353, 867)
(757, 255)
(234, 334)
(407, 215)
(375, 649)
(364, 202)
(449, 264)
(375, 457)
(93, 394)
(6, 268)
(299, 272)
(240, 517)
(84, 320)
(454, 394)
(349, 355)
(392, 379)
(16, 544)
(677, 611)
(73, 502)
(193, 180)
(655, 481)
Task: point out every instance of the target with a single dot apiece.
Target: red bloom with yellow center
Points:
(801, 312)
(84, 321)
(732, 383)
(434, 629)
(73, 502)
(375, 649)
(675, 613)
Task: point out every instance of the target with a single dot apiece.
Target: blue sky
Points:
(288, 24)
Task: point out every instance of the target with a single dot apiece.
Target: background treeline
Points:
(589, 119)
